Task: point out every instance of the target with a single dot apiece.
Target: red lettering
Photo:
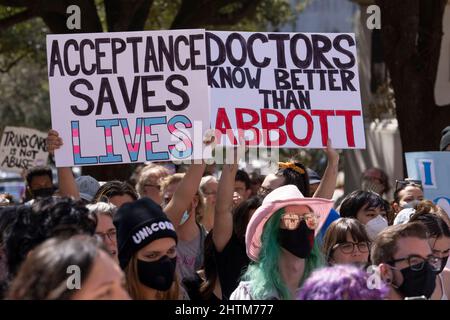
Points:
(290, 125)
(348, 115)
(248, 125)
(323, 119)
(268, 126)
(223, 126)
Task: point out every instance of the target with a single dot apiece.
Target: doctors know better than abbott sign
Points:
(144, 96)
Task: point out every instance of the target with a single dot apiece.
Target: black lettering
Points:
(251, 54)
(150, 56)
(321, 45)
(90, 103)
(193, 52)
(117, 46)
(106, 95)
(266, 97)
(177, 42)
(281, 82)
(211, 80)
(83, 44)
(337, 45)
(70, 72)
(100, 54)
(237, 62)
(346, 78)
(280, 38)
(134, 42)
(179, 92)
(55, 59)
(253, 82)
(221, 50)
(165, 52)
(146, 93)
(130, 102)
(299, 63)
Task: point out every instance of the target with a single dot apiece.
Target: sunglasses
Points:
(291, 219)
(401, 184)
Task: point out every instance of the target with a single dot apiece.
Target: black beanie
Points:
(445, 140)
(138, 223)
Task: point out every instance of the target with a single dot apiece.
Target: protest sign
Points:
(433, 169)
(285, 89)
(128, 97)
(22, 148)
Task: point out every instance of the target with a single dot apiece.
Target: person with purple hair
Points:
(340, 282)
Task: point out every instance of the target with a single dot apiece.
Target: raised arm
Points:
(223, 217)
(184, 193)
(66, 181)
(328, 183)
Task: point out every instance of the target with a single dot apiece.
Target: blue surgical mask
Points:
(184, 218)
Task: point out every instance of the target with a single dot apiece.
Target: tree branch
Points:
(16, 3)
(197, 13)
(127, 15)
(17, 18)
(13, 63)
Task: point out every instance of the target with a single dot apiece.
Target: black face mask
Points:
(418, 283)
(299, 241)
(43, 192)
(443, 264)
(158, 274)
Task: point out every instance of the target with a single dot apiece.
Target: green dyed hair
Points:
(264, 276)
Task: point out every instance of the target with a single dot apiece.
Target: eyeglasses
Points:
(291, 221)
(156, 186)
(401, 184)
(416, 262)
(111, 234)
(263, 191)
(349, 247)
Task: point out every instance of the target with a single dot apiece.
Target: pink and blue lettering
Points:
(180, 154)
(132, 144)
(149, 154)
(110, 156)
(77, 158)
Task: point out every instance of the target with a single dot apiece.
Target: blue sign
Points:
(433, 169)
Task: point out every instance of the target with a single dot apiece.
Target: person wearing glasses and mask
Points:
(105, 229)
(346, 242)
(408, 193)
(280, 240)
(403, 259)
(439, 238)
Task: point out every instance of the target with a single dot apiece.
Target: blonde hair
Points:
(134, 285)
(146, 172)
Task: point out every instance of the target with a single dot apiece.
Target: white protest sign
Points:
(22, 148)
(128, 97)
(285, 89)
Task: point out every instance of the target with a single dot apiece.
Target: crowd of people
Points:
(196, 236)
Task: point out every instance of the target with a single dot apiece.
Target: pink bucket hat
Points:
(279, 198)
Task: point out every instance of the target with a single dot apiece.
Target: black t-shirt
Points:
(231, 264)
(192, 287)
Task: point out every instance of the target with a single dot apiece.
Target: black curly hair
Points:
(46, 218)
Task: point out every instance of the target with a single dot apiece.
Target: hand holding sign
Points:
(54, 142)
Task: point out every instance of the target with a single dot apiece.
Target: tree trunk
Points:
(411, 37)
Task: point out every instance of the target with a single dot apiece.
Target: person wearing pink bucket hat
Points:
(280, 240)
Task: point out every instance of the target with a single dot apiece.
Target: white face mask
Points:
(375, 226)
(411, 204)
(184, 218)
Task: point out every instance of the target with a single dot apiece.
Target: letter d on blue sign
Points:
(426, 168)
